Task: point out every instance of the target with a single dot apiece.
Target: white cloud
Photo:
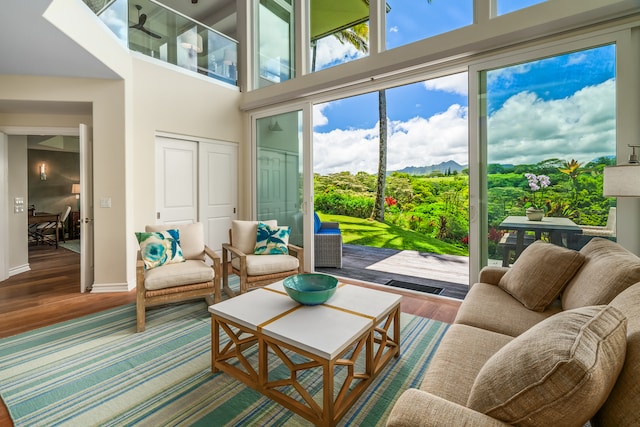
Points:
(454, 83)
(393, 29)
(330, 50)
(416, 142)
(319, 119)
(528, 129)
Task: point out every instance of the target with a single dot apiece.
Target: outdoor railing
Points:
(159, 32)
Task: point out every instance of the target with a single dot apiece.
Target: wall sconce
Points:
(43, 172)
(75, 189)
(275, 127)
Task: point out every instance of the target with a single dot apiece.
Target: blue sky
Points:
(564, 106)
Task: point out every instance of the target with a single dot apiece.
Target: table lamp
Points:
(623, 180)
(75, 189)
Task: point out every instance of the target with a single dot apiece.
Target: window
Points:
(412, 20)
(508, 6)
(339, 32)
(554, 117)
(276, 42)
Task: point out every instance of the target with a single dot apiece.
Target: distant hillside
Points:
(426, 170)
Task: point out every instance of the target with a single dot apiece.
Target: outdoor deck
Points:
(380, 265)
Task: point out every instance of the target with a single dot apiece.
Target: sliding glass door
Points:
(279, 175)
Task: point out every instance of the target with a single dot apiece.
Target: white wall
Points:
(168, 99)
(17, 171)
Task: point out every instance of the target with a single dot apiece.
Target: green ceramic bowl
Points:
(310, 289)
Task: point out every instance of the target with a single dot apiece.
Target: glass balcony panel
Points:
(161, 33)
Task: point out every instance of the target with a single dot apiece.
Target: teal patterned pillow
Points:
(159, 248)
(272, 240)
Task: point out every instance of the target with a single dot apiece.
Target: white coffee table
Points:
(347, 341)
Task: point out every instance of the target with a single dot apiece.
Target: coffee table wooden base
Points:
(344, 377)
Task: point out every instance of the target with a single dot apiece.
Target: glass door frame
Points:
(306, 134)
(627, 131)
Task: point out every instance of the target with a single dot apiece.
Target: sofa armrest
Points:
(492, 274)
(419, 408)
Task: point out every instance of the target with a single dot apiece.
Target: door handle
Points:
(88, 220)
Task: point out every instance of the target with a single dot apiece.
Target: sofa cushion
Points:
(271, 240)
(540, 273)
(244, 234)
(558, 373)
(622, 407)
(159, 248)
(488, 307)
(191, 238)
(451, 372)
(608, 270)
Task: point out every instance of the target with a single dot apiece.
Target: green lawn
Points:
(358, 231)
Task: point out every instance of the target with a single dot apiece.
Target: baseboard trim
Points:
(101, 288)
(20, 269)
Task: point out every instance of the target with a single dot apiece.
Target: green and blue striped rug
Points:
(97, 370)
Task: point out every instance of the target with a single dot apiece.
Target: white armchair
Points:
(192, 278)
(256, 270)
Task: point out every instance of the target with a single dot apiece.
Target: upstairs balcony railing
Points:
(159, 32)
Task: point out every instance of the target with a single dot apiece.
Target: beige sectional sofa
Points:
(552, 341)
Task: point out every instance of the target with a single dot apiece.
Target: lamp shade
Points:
(75, 188)
(622, 181)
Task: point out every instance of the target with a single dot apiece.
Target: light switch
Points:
(18, 205)
(105, 202)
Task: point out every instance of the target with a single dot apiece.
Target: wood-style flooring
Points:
(50, 293)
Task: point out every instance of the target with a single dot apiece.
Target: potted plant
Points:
(534, 211)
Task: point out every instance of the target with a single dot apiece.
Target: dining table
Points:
(35, 229)
(560, 230)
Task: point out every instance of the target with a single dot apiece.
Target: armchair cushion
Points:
(191, 239)
(244, 234)
(159, 248)
(558, 373)
(184, 273)
(272, 240)
(258, 265)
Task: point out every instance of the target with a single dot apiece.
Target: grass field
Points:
(364, 232)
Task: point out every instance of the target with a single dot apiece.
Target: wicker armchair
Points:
(193, 278)
(327, 239)
(256, 270)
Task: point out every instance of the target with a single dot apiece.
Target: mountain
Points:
(426, 170)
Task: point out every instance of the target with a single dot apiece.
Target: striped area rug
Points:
(97, 370)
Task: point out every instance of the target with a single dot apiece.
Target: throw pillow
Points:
(540, 273)
(608, 270)
(557, 373)
(159, 247)
(272, 240)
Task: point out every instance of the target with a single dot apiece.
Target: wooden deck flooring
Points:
(380, 265)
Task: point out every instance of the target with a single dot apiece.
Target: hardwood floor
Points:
(50, 293)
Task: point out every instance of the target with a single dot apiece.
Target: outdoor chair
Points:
(240, 257)
(327, 239)
(179, 273)
(609, 230)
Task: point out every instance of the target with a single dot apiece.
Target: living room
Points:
(134, 99)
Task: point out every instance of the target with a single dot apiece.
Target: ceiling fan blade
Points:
(154, 35)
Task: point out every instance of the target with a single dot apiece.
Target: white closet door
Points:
(218, 190)
(176, 181)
